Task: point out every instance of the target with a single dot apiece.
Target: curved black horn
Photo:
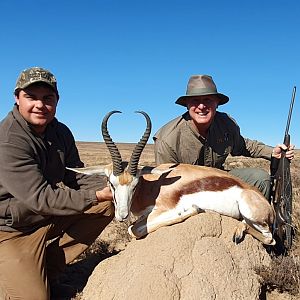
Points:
(136, 154)
(113, 150)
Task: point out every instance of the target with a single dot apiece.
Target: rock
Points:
(195, 259)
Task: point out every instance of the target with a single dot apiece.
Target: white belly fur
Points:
(224, 202)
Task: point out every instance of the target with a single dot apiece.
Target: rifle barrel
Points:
(290, 112)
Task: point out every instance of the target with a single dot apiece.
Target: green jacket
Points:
(179, 142)
(34, 184)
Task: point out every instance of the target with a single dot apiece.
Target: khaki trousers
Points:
(255, 177)
(28, 262)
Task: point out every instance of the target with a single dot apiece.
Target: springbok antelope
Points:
(169, 193)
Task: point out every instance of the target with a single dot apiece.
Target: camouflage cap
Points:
(33, 75)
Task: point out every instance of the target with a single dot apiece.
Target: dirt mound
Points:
(195, 259)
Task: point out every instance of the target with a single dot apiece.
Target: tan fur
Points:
(125, 178)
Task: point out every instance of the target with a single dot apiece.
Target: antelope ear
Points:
(142, 170)
(90, 170)
(156, 170)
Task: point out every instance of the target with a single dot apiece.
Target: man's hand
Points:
(104, 194)
(289, 151)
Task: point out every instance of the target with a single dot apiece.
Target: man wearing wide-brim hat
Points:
(205, 136)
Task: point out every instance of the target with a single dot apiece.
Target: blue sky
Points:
(138, 55)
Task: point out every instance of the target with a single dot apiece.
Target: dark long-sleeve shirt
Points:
(32, 173)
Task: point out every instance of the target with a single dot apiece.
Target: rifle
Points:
(281, 192)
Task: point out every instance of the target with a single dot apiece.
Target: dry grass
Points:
(282, 275)
(97, 153)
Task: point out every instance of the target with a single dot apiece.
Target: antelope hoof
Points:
(137, 232)
(239, 234)
(270, 242)
(197, 209)
(238, 238)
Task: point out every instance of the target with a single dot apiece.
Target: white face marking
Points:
(122, 194)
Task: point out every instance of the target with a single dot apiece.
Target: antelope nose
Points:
(118, 218)
(121, 216)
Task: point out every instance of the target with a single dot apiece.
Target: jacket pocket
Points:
(220, 157)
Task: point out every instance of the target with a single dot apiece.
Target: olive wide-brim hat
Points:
(201, 85)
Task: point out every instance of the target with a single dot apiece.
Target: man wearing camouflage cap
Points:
(48, 215)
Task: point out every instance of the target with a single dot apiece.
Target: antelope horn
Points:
(111, 146)
(135, 156)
